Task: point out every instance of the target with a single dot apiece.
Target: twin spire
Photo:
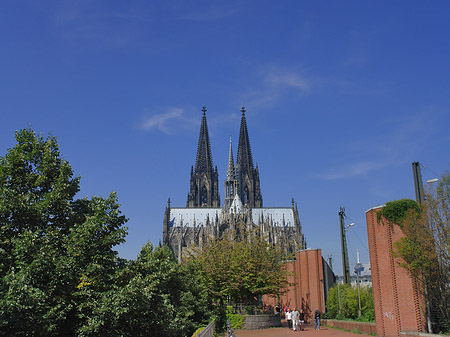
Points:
(242, 178)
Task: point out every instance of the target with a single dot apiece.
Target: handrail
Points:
(208, 331)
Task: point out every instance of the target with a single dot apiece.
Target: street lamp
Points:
(358, 269)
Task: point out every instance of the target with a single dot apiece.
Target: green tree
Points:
(52, 247)
(241, 267)
(155, 296)
(345, 300)
(426, 251)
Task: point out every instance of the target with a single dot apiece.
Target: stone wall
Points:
(253, 322)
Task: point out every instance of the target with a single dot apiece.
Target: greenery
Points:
(59, 273)
(237, 321)
(396, 211)
(425, 250)
(240, 270)
(348, 299)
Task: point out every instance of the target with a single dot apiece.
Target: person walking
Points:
(295, 315)
(317, 319)
(301, 319)
(289, 318)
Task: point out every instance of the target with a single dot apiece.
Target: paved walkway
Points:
(284, 331)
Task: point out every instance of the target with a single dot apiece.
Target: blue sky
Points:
(341, 98)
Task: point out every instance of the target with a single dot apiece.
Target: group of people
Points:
(296, 319)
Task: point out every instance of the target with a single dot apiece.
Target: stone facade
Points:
(204, 218)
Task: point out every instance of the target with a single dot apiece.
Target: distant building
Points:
(204, 218)
(364, 281)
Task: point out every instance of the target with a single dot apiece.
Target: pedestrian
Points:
(295, 314)
(289, 318)
(301, 319)
(317, 319)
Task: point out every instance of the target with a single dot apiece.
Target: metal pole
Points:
(418, 186)
(359, 294)
(345, 264)
(339, 298)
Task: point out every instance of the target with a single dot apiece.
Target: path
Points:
(284, 331)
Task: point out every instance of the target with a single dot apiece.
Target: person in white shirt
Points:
(295, 315)
(289, 318)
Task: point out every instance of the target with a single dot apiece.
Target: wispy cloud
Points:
(355, 169)
(270, 83)
(168, 121)
(289, 80)
(91, 22)
(403, 140)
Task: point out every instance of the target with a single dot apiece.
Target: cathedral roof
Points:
(180, 217)
(190, 217)
(280, 216)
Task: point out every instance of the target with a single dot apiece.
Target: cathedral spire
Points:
(204, 162)
(247, 176)
(204, 189)
(244, 157)
(230, 170)
(230, 182)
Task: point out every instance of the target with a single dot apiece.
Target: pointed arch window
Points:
(204, 197)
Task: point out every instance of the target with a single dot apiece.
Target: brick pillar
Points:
(399, 306)
(311, 295)
(307, 284)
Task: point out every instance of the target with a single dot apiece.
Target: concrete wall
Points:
(398, 303)
(307, 290)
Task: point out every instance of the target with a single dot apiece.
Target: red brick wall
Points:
(307, 289)
(363, 327)
(398, 304)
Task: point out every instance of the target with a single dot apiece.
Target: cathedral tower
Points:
(204, 190)
(247, 176)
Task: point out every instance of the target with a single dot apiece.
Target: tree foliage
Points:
(59, 272)
(154, 296)
(426, 251)
(396, 211)
(51, 245)
(241, 269)
(347, 296)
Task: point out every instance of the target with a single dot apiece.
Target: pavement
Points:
(285, 331)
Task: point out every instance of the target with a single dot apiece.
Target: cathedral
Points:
(204, 218)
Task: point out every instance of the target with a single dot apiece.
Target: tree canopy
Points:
(241, 269)
(59, 272)
(342, 303)
(426, 251)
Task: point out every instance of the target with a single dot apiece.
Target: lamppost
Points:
(358, 269)
(427, 300)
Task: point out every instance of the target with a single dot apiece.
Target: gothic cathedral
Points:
(204, 219)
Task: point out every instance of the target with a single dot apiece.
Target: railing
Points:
(208, 331)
